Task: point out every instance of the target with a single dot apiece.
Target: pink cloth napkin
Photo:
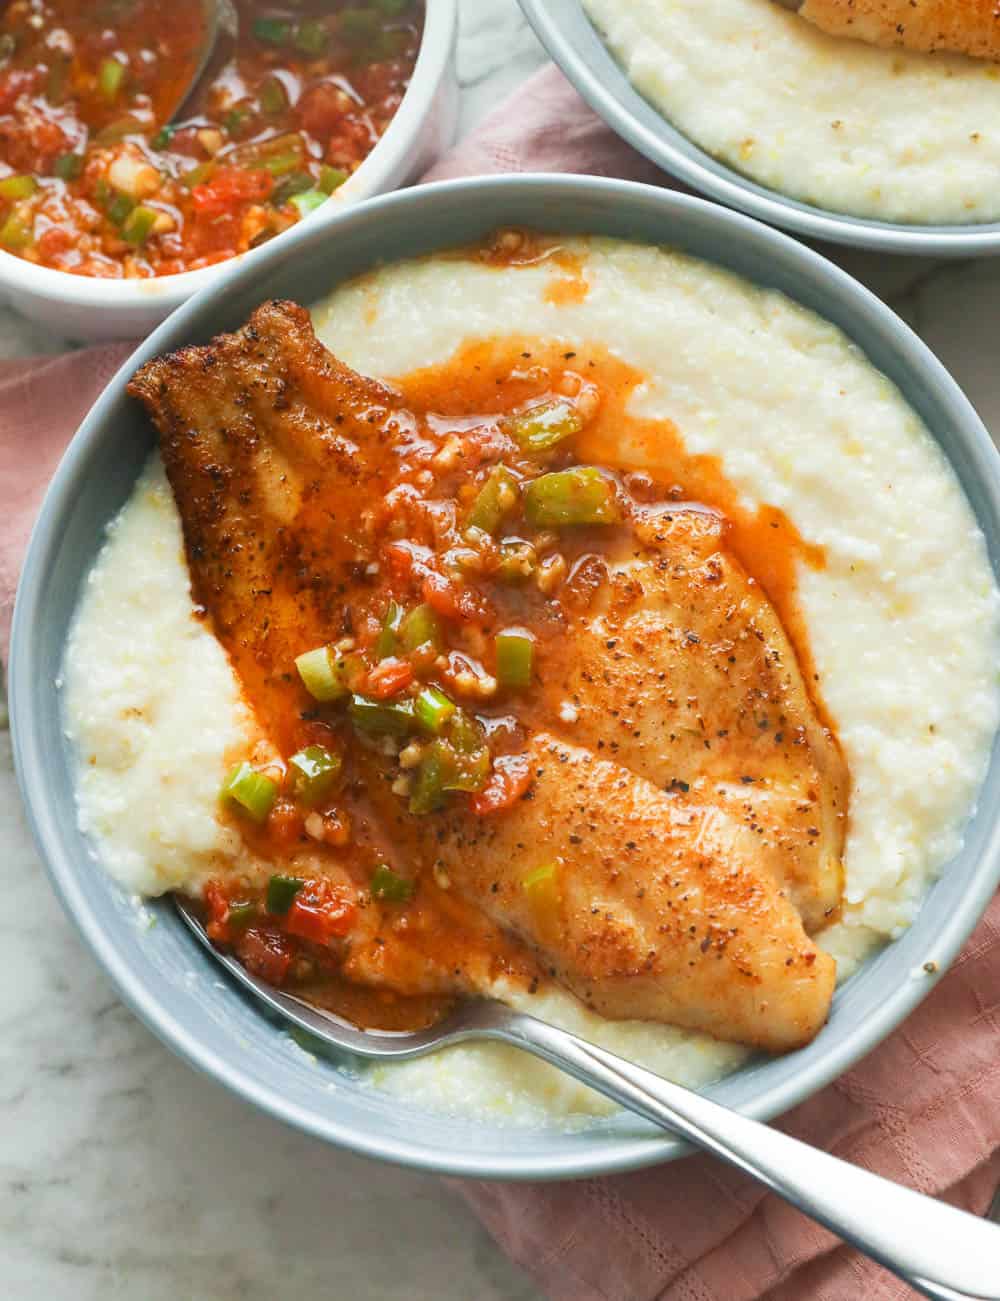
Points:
(923, 1109)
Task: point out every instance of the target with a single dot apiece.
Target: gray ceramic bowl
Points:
(170, 982)
(567, 33)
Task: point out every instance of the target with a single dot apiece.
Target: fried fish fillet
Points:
(956, 26)
(683, 673)
(668, 906)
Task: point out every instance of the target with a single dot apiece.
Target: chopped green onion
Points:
(291, 184)
(497, 497)
(308, 201)
(275, 31)
(544, 425)
(389, 885)
(68, 166)
(312, 37)
(331, 178)
(388, 638)
(110, 76)
(279, 154)
(251, 790)
(139, 224)
(236, 119)
(318, 671)
(18, 187)
(281, 892)
(240, 915)
(200, 174)
(581, 495)
(515, 652)
(381, 717)
(314, 773)
(433, 709)
(15, 233)
(163, 137)
(419, 627)
(428, 792)
(272, 95)
(119, 208)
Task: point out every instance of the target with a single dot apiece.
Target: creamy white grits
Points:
(836, 123)
(904, 619)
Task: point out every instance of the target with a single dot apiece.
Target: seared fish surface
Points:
(956, 26)
(687, 828)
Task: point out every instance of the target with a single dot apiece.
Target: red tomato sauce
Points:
(94, 180)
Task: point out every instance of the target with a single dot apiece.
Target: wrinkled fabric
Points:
(922, 1109)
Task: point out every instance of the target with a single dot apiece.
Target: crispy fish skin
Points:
(683, 672)
(969, 27)
(261, 434)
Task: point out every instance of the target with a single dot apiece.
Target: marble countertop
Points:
(125, 1176)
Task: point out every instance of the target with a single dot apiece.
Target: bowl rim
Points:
(18, 276)
(681, 156)
(619, 1153)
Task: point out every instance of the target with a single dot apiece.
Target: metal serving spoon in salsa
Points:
(221, 20)
(944, 1253)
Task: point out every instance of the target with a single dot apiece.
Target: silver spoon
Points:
(221, 20)
(944, 1253)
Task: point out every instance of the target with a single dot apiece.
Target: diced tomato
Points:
(54, 241)
(284, 824)
(399, 561)
(265, 953)
(322, 108)
(17, 82)
(320, 913)
(510, 778)
(229, 188)
(450, 600)
(389, 678)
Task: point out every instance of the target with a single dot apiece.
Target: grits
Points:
(904, 619)
(877, 133)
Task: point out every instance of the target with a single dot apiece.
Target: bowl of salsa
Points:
(122, 191)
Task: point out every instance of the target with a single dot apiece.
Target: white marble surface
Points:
(126, 1177)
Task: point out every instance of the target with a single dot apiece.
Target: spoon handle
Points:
(945, 1253)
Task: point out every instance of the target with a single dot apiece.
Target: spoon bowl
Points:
(220, 21)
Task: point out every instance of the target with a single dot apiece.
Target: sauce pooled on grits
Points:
(522, 717)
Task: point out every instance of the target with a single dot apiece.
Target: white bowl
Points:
(86, 307)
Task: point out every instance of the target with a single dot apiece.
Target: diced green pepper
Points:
(15, 233)
(518, 561)
(389, 885)
(119, 208)
(200, 174)
(433, 709)
(236, 119)
(251, 790)
(312, 37)
(388, 639)
(110, 76)
(274, 31)
(138, 226)
(281, 892)
(68, 166)
(580, 495)
(382, 717)
(419, 627)
(544, 425)
(279, 155)
(241, 915)
(163, 137)
(331, 178)
(308, 201)
(291, 184)
(272, 95)
(471, 766)
(314, 773)
(318, 671)
(515, 652)
(18, 187)
(497, 497)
